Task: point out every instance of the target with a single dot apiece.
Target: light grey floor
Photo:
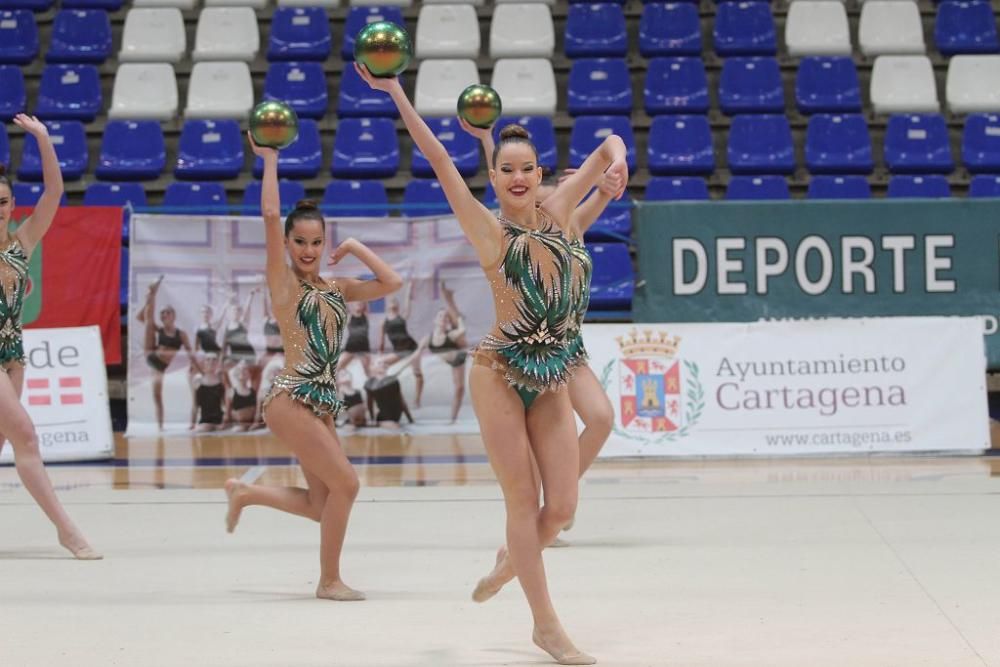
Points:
(738, 564)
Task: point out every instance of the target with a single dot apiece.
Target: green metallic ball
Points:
(384, 48)
(273, 124)
(479, 105)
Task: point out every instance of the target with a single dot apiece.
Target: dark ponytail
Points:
(305, 209)
(513, 134)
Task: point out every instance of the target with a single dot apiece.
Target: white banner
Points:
(775, 388)
(211, 277)
(66, 393)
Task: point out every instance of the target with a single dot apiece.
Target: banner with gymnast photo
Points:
(204, 348)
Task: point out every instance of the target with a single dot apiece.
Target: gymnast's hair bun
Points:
(514, 131)
(306, 205)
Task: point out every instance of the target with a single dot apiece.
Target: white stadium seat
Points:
(439, 83)
(817, 29)
(226, 33)
(219, 90)
(527, 86)
(522, 30)
(447, 31)
(890, 27)
(153, 35)
(477, 3)
(144, 91)
(379, 3)
(179, 4)
(329, 4)
(904, 84)
(256, 4)
(973, 84)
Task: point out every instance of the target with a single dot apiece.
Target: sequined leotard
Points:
(13, 277)
(583, 272)
(533, 284)
(311, 331)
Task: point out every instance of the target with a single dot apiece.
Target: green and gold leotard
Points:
(13, 277)
(533, 284)
(311, 332)
(583, 271)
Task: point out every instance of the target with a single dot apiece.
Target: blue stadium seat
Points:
(210, 149)
(18, 37)
(303, 158)
(596, 30)
(744, 29)
(203, 198)
(359, 17)
(116, 194)
(365, 148)
(760, 145)
(542, 132)
(355, 199)
(4, 147)
(13, 94)
(299, 33)
(751, 85)
(918, 144)
(463, 148)
(838, 144)
(490, 197)
(599, 86)
(839, 187)
(357, 98)
(589, 131)
(69, 92)
(614, 223)
(932, 186)
(106, 5)
(424, 196)
(670, 29)
(984, 185)
(301, 85)
(80, 36)
(757, 188)
(30, 5)
(289, 192)
(967, 26)
(981, 143)
(132, 150)
(827, 84)
(676, 188)
(27, 194)
(676, 85)
(70, 141)
(681, 145)
(614, 279)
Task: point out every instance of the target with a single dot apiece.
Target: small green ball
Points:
(274, 124)
(479, 105)
(384, 48)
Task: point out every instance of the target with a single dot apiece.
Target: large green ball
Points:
(384, 48)
(273, 124)
(479, 105)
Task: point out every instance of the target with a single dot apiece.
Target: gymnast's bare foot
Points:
(338, 590)
(491, 584)
(78, 546)
(235, 491)
(559, 646)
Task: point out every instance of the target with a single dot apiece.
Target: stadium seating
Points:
(590, 131)
(817, 29)
(365, 148)
(760, 145)
(153, 34)
(676, 188)
(356, 199)
(356, 98)
(447, 31)
(827, 85)
(965, 26)
(18, 37)
(613, 281)
(69, 92)
(838, 144)
(219, 90)
(27, 194)
(301, 85)
(13, 94)
(132, 150)
(4, 146)
(70, 141)
(681, 145)
(917, 143)
(210, 149)
(526, 86)
(888, 27)
(757, 188)
(921, 187)
(80, 36)
(144, 90)
(981, 143)
(744, 29)
(751, 85)
(904, 84)
(599, 86)
(839, 187)
(289, 192)
(303, 158)
(669, 29)
(299, 33)
(439, 83)
(359, 17)
(985, 185)
(462, 147)
(226, 33)
(676, 85)
(595, 30)
(973, 84)
(522, 30)
(197, 198)
(424, 196)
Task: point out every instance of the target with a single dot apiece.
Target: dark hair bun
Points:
(514, 131)
(307, 205)
(3, 169)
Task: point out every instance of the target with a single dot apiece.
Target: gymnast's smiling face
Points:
(516, 177)
(305, 242)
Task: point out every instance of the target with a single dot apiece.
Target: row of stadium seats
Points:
(369, 147)
(598, 86)
(769, 187)
(516, 30)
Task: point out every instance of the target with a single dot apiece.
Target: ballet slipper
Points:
(571, 657)
(484, 591)
(79, 548)
(234, 489)
(558, 544)
(339, 591)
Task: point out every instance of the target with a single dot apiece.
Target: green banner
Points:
(749, 261)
